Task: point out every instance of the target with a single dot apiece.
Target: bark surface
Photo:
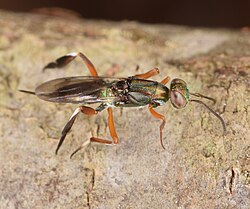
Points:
(199, 168)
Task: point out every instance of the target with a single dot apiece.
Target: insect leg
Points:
(161, 117)
(112, 130)
(86, 110)
(93, 139)
(165, 80)
(66, 59)
(148, 74)
(112, 126)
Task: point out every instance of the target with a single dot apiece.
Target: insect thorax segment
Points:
(134, 92)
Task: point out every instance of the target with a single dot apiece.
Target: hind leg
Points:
(66, 59)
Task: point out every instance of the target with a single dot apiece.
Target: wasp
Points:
(110, 92)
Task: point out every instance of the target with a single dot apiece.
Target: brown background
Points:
(211, 13)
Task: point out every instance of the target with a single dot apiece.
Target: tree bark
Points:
(200, 168)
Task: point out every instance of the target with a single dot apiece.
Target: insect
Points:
(109, 92)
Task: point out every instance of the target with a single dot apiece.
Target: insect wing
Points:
(80, 89)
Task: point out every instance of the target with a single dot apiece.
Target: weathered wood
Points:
(198, 169)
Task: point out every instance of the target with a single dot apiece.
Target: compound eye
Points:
(178, 100)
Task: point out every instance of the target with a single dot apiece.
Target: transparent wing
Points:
(80, 89)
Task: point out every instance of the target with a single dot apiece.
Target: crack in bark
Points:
(232, 180)
(232, 177)
(90, 188)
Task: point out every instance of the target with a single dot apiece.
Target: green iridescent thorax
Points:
(161, 95)
(154, 93)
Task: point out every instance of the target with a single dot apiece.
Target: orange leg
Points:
(89, 111)
(112, 126)
(99, 140)
(66, 59)
(86, 110)
(92, 139)
(165, 80)
(148, 74)
(161, 117)
(112, 130)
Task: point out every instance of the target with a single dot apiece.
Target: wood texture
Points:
(199, 168)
